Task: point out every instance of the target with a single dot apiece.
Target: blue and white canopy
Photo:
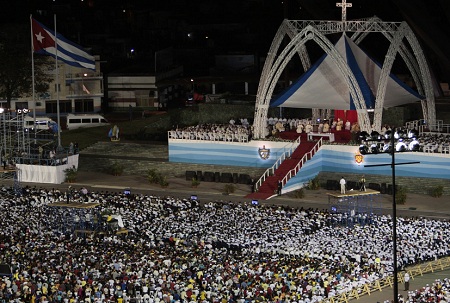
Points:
(323, 85)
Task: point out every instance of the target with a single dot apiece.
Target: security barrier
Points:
(378, 285)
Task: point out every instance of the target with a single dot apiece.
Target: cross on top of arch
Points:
(344, 6)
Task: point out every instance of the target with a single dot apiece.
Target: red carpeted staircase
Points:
(269, 187)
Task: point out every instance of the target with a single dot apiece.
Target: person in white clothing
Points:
(342, 183)
(406, 279)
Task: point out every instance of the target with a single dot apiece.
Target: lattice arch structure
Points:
(301, 31)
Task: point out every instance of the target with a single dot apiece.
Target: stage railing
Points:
(307, 156)
(415, 124)
(59, 159)
(437, 129)
(271, 171)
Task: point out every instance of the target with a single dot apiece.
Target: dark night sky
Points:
(428, 18)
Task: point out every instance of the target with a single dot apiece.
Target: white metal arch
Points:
(386, 69)
(414, 60)
(276, 68)
(420, 74)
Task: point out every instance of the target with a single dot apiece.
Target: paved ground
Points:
(416, 205)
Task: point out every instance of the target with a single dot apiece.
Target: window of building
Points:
(84, 105)
(51, 107)
(22, 105)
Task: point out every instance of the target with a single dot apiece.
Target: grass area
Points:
(137, 129)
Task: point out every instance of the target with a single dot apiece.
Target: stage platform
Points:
(7, 170)
(353, 193)
(90, 231)
(74, 205)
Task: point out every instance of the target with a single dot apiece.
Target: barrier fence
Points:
(380, 284)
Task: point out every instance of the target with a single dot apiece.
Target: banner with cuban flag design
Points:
(44, 41)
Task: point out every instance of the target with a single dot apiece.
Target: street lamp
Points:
(392, 136)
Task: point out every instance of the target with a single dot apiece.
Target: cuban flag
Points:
(68, 52)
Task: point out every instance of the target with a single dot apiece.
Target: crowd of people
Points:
(181, 250)
(231, 132)
(439, 291)
(435, 143)
(240, 130)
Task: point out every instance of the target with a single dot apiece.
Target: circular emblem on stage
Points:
(359, 158)
(264, 152)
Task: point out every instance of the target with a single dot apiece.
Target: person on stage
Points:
(362, 183)
(342, 182)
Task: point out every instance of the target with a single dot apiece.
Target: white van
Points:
(42, 123)
(85, 120)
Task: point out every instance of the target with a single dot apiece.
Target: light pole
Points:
(394, 220)
(394, 210)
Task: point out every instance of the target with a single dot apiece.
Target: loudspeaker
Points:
(375, 186)
(389, 189)
(352, 185)
(226, 178)
(199, 175)
(330, 185)
(235, 177)
(216, 177)
(208, 176)
(383, 188)
(190, 174)
(244, 179)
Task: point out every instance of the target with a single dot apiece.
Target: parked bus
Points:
(85, 120)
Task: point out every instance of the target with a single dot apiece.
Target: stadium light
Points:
(393, 137)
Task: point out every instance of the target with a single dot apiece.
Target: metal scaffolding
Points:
(14, 143)
(21, 143)
(355, 207)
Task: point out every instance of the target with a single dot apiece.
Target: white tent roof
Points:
(323, 86)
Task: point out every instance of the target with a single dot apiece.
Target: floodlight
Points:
(363, 135)
(414, 145)
(375, 135)
(413, 133)
(399, 134)
(400, 147)
(374, 148)
(387, 148)
(388, 134)
(363, 149)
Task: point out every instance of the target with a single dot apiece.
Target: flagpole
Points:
(32, 79)
(57, 86)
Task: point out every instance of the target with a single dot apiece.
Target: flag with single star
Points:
(68, 52)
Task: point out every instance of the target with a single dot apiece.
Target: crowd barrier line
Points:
(388, 281)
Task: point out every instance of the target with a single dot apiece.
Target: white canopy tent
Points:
(323, 86)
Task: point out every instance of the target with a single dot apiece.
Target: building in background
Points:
(80, 91)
